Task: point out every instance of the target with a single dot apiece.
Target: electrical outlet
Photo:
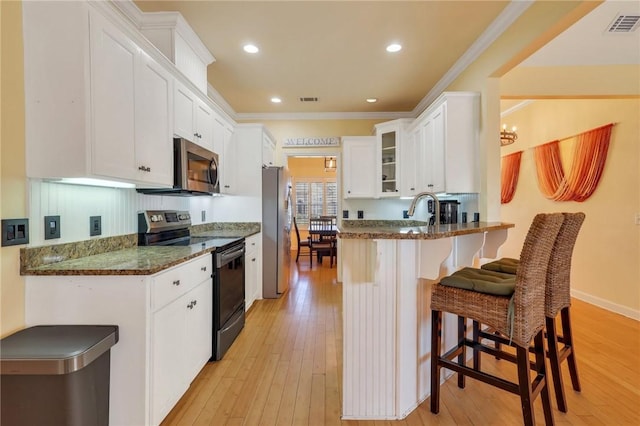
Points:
(360, 214)
(95, 225)
(204, 215)
(345, 214)
(15, 232)
(51, 227)
(405, 214)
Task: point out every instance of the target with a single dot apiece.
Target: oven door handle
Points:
(227, 256)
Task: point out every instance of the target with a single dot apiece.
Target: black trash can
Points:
(56, 375)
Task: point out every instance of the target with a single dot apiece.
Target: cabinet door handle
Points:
(226, 186)
(144, 169)
(430, 185)
(203, 269)
(190, 305)
(194, 302)
(253, 259)
(348, 192)
(176, 282)
(412, 189)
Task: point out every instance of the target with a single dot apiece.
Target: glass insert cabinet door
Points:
(388, 147)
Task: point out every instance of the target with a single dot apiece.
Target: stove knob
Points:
(153, 218)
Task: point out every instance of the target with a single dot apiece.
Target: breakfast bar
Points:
(387, 271)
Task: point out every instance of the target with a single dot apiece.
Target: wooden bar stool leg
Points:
(462, 331)
(554, 364)
(541, 370)
(568, 341)
(524, 382)
(436, 332)
(476, 340)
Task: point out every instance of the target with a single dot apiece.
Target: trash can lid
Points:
(55, 349)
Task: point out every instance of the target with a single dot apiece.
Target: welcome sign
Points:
(311, 142)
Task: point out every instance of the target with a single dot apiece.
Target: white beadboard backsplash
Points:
(392, 208)
(119, 207)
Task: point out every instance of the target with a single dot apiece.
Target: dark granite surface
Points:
(121, 256)
(412, 230)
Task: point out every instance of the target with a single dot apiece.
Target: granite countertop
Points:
(412, 230)
(119, 256)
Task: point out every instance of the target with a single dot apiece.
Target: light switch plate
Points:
(51, 227)
(95, 225)
(15, 232)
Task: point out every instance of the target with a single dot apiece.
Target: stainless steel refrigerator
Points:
(276, 228)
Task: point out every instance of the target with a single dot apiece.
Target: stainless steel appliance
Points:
(449, 211)
(195, 171)
(171, 228)
(276, 228)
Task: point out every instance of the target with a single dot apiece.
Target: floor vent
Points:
(624, 24)
(308, 99)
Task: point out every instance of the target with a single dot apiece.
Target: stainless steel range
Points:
(171, 228)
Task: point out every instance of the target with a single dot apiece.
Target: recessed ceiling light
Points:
(250, 48)
(372, 100)
(276, 100)
(394, 47)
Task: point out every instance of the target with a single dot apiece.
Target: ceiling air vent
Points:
(308, 99)
(624, 24)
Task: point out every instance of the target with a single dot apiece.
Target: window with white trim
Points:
(314, 197)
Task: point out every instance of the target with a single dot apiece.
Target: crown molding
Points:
(323, 116)
(508, 16)
(516, 107)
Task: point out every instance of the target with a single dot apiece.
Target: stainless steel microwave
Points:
(195, 171)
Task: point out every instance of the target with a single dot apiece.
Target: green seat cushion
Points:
(506, 264)
(482, 281)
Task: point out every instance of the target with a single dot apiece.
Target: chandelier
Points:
(507, 137)
(329, 164)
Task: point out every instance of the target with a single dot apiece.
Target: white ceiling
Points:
(587, 42)
(335, 50)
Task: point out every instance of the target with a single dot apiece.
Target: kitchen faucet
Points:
(418, 197)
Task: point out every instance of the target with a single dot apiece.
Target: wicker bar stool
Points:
(557, 301)
(519, 319)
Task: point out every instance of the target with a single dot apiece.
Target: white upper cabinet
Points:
(173, 36)
(194, 119)
(96, 109)
(448, 134)
(268, 151)
(359, 167)
(248, 142)
(113, 81)
(431, 172)
(223, 145)
(154, 116)
(391, 140)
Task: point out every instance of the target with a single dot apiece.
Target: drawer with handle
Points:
(173, 283)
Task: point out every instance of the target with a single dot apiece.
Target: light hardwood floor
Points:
(285, 368)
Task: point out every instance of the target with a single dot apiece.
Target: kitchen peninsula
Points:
(387, 271)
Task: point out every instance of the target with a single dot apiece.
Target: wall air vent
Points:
(308, 99)
(624, 24)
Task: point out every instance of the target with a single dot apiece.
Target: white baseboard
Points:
(606, 304)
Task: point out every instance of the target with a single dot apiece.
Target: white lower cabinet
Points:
(253, 269)
(165, 330)
(181, 339)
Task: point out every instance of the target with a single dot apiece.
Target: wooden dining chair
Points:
(322, 238)
(301, 244)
